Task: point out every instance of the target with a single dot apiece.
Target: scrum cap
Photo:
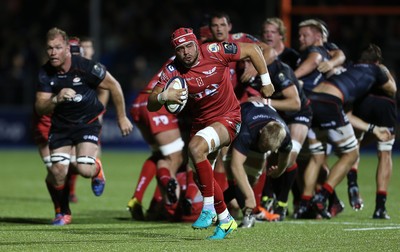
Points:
(182, 36)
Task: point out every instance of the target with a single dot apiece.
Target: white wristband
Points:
(160, 99)
(265, 79)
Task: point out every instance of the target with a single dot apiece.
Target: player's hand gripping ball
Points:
(176, 82)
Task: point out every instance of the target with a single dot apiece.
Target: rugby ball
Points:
(175, 82)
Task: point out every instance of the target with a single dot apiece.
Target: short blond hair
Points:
(271, 136)
(316, 24)
(279, 24)
(54, 32)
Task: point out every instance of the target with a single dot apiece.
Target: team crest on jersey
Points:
(230, 48)
(214, 47)
(98, 71)
(281, 76)
(76, 81)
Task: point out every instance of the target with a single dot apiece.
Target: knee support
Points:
(348, 145)
(385, 146)
(296, 146)
(173, 147)
(316, 148)
(62, 158)
(47, 161)
(86, 160)
(209, 134)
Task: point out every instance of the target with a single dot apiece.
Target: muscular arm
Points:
(390, 86)
(382, 133)
(111, 84)
(256, 56)
(46, 102)
(309, 65)
(290, 102)
(43, 103)
(237, 166)
(269, 55)
(337, 59)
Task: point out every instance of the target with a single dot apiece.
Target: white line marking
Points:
(368, 229)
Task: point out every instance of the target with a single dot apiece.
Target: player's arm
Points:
(46, 102)
(390, 86)
(382, 133)
(237, 167)
(337, 59)
(309, 65)
(111, 84)
(256, 56)
(159, 97)
(269, 55)
(290, 102)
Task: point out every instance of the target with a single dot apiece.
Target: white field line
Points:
(368, 226)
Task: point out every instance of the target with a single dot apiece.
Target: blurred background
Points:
(132, 39)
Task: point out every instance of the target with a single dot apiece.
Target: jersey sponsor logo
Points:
(210, 90)
(230, 48)
(214, 47)
(98, 71)
(211, 71)
(163, 119)
(91, 137)
(302, 119)
(171, 68)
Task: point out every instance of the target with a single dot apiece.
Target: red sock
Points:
(147, 173)
(163, 176)
(219, 203)
(191, 187)
(206, 178)
(258, 188)
(220, 177)
(328, 188)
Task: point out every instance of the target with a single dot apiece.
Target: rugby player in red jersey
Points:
(214, 108)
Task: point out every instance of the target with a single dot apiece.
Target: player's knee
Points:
(348, 146)
(211, 137)
(85, 160)
(296, 146)
(385, 146)
(47, 161)
(60, 158)
(316, 148)
(172, 147)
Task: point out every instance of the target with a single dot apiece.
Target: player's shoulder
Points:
(46, 72)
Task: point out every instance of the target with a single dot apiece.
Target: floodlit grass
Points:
(103, 224)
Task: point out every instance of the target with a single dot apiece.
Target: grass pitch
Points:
(103, 224)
